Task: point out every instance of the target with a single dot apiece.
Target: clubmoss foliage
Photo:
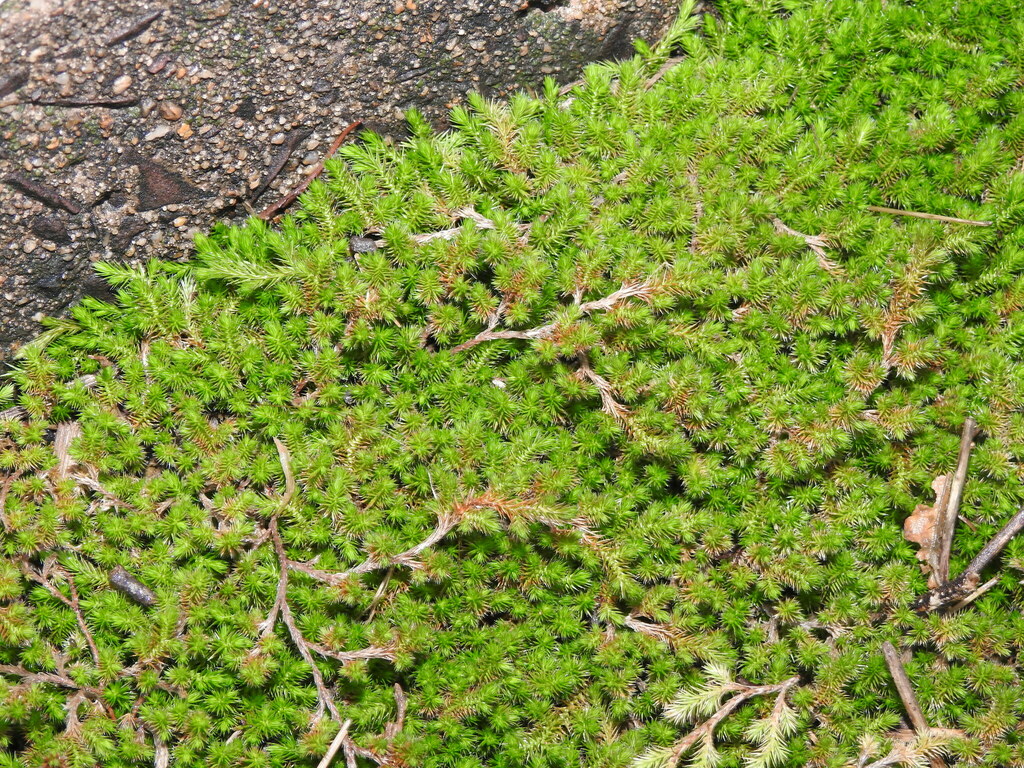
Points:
(594, 460)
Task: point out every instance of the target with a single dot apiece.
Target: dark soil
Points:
(127, 127)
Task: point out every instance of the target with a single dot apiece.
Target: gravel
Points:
(127, 127)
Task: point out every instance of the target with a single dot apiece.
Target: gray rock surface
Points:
(126, 127)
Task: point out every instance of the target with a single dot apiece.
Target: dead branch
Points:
(904, 688)
(323, 694)
(290, 142)
(482, 222)
(817, 245)
(44, 193)
(644, 291)
(931, 216)
(135, 27)
(371, 652)
(49, 678)
(955, 591)
(128, 585)
(663, 71)
(955, 488)
(72, 602)
(609, 404)
(271, 210)
(335, 745)
(706, 729)
(662, 632)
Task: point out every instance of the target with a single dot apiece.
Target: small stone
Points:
(29, 245)
(277, 138)
(180, 221)
(146, 107)
(310, 158)
(362, 244)
(158, 133)
(477, 45)
(169, 110)
(158, 64)
(122, 84)
(185, 131)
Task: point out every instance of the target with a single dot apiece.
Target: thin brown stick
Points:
(85, 101)
(72, 602)
(642, 290)
(135, 27)
(991, 550)
(662, 72)
(948, 513)
(44, 193)
(371, 652)
(904, 688)
(61, 681)
(335, 745)
(952, 592)
(976, 593)
(930, 216)
(707, 728)
(907, 696)
(272, 209)
(323, 694)
(609, 404)
(290, 142)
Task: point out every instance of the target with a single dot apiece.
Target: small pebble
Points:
(277, 138)
(122, 84)
(158, 133)
(169, 110)
(29, 245)
(185, 131)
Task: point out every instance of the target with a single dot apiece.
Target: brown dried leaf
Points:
(922, 528)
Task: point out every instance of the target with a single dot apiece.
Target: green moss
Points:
(617, 450)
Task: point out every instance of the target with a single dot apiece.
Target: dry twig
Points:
(953, 493)
(963, 586)
(609, 404)
(706, 729)
(644, 290)
(335, 745)
(931, 216)
(816, 243)
(274, 208)
(43, 578)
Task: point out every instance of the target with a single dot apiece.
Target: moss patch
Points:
(620, 419)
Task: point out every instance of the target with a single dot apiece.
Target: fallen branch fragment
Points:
(706, 730)
(931, 216)
(953, 592)
(43, 578)
(290, 142)
(904, 688)
(125, 101)
(816, 243)
(954, 493)
(61, 681)
(131, 587)
(323, 694)
(274, 208)
(481, 221)
(44, 193)
(644, 290)
(335, 745)
(135, 27)
(609, 404)
(661, 72)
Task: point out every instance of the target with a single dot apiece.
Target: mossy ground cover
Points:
(601, 456)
